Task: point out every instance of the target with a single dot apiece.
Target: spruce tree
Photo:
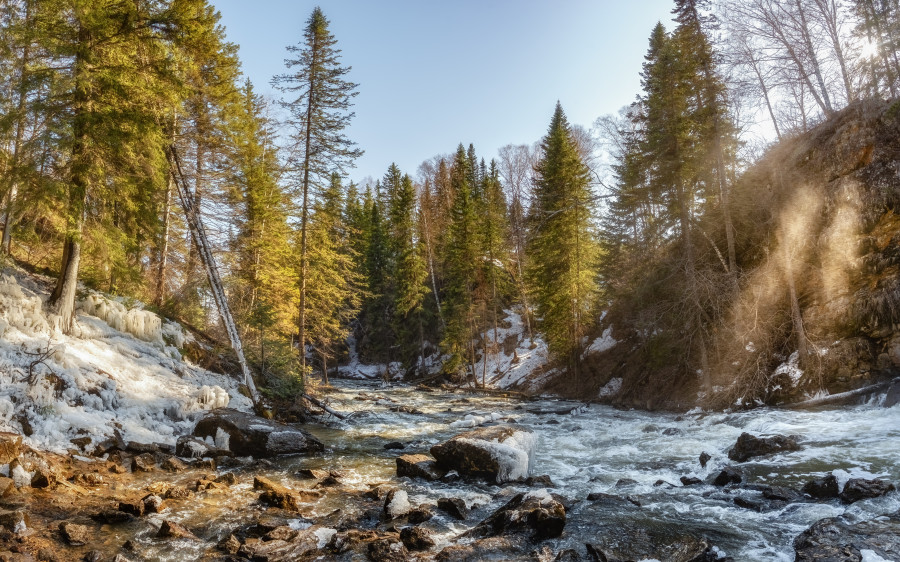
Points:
(563, 250)
(318, 98)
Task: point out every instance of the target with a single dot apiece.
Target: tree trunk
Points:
(813, 59)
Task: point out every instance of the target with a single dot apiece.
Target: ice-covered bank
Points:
(121, 370)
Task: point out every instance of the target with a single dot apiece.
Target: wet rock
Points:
(704, 458)
(112, 517)
(659, 483)
(671, 431)
(416, 538)
(228, 479)
(74, 534)
(728, 475)
(177, 493)
(189, 447)
(145, 462)
(173, 530)
(377, 492)
(153, 504)
(81, 442)
(312, 474)
(15, 521)
(748, 503)
(749, 446)
(204, 464)
(230, 544)
(10, 447)
(822, 488)
(542, 481)
(610, 499)
(834, 539)
(132, 508)
(499, 453)
(328, 482)
(387, 550)
(6, 485)
(690, 481)
(254, 436)
(640, 544)
(454, 507)
(396, 504)
(491, 548)
(293, 546)
(173, 464)
(780, 493)
(419, 515)
(283, 533)
(623, 482)
(43, 478)
(538, 515)
(141, 448)
(93, 556)
(860, 489)
(394, 445)
(419, 466)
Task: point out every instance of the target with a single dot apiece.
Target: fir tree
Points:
(563, 251)
(319, 101)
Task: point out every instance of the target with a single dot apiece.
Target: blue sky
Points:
(434, 74)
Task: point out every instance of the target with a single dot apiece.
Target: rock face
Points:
(248, 435)
(501, 453)
(860, 489)
(419, 466)
(749, 446)
(835, 539)
(540, 515)
(10, 447)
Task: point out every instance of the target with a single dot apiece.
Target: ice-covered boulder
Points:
(248, 435)
(539, 514)
(502, 453)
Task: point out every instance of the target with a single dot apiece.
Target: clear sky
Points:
(434, 73)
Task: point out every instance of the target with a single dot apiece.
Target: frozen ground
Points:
(121, 369)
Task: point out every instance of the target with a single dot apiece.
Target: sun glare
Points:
(868, 50)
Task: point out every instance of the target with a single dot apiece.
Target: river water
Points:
(592, 448)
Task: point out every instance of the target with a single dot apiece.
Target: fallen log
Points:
(324, 406)
(844, 398)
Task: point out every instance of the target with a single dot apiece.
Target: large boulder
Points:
(836, 539)
(860, 489)
(749, 446)
(419, 466)
(248, 435)
(540, 515)
(502, 453)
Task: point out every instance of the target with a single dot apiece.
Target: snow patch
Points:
(611, 388)
(871, 556)
(603, 343)
(399, 504)
(791, 368)
(324, 535)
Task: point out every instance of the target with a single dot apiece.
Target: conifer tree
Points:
(319, 100)
(563, 249)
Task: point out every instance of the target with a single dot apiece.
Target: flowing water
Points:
(588, 449)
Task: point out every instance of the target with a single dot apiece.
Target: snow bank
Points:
(611, 388)
(525, 367)
(115, 372)
(601, 344)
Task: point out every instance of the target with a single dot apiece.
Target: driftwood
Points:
(324, 406)
(843, 398)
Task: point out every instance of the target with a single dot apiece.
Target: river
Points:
(593, 448)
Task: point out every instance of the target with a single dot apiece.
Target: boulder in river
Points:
(75, 534)
(728, 475)
(749, 446)
(416, 538)
(822, 488)
(419, 466)
(454, 507)
(248, 435)
(860, 489)
(539, 514)
(839, 540)
(501, 453)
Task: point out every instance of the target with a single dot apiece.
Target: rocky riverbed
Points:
(442, 475)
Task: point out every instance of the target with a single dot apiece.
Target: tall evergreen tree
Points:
(563, 249)
(319, 100)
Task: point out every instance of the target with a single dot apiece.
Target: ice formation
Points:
(399, 504)
(115, 372)
(514, 456)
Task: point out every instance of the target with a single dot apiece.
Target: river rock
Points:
(454, 507)
(153, 503)
(173, 530)
(822, 488)
(704, 458)
(249, 435)
(388, 550)
(112, 517)
(690, 480)
(312, 474)
(419, 466)
(279, 496)
(540, 514)
(75, 535)
(834, 539)
(133, 508)
(749, 446)
(145, 462)
(501, 453)
(282, 544)
(173, 464)
(416, 538)
(728, 475)
(860, 489)
(419, 515)
(15, 521)
(10, 447)
(192, 448)
(491, 548)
